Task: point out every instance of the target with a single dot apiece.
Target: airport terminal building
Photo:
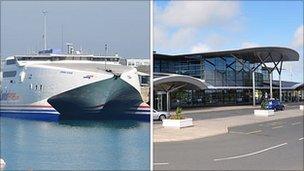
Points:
(223, 78)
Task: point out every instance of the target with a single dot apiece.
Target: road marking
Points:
(160, 163)
(246, 133)
(296, 123)
(276, 123)
(257, 131)
(235, 132)
(250, 154)
(301, 138)
(276, 127)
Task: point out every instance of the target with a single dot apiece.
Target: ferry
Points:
(49, 86)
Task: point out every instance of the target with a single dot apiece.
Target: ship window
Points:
(9, 74)
(40, 87)
(36, 87)
(10, 61)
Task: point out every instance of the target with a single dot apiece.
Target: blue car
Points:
(275, 105)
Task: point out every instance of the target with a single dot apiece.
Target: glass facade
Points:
(191, 67)
(227, 71)
(210, 97)
(230, 77)
(217, 71)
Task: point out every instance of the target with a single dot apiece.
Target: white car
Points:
(160, 115)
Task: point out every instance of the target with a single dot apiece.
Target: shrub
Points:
(178, 114)
(264, 104)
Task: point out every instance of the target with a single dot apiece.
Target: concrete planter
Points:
(264, 113)
(176, 123)
(301, 107)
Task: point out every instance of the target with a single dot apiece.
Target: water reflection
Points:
(118, 124)
(75, 144)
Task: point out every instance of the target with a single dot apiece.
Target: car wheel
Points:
(161, 117)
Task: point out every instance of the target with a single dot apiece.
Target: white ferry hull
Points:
(78, 89)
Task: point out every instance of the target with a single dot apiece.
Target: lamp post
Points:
(270, 82)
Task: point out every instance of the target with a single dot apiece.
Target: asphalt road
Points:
(271, 145)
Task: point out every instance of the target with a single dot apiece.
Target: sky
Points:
(124, 26)
(202, 26)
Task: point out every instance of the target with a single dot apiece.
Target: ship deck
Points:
(91, 67)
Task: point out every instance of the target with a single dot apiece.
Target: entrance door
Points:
(161, 101)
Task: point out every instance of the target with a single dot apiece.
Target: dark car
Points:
(275, 105)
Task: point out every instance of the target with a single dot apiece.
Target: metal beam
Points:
(280, 84)
(176, 88)
(238, 59)
(262, 61)
(270, 82)
(276, 64)
(280, 87)
(254, 68)
(281, 67)
(253, 88)
(171, 89)
(168, 101)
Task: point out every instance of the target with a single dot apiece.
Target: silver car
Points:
(160, 115)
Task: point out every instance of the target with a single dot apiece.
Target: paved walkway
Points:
(213, 109)
(230, 108)
(212, 127)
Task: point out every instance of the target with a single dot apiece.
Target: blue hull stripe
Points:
(31, 116)
(50, 110)
(29, 111)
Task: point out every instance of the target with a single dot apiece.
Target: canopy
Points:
(253, 55)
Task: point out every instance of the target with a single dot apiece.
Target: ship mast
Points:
(44, 34)
(106, 49)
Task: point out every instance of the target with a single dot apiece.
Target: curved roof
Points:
(174, 80)
(299, 86)
(254, 55)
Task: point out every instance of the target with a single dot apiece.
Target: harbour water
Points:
(75, 145)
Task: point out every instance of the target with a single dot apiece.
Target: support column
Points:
(168, 101)
(253, 88)
(270, 84)
(280, 87)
